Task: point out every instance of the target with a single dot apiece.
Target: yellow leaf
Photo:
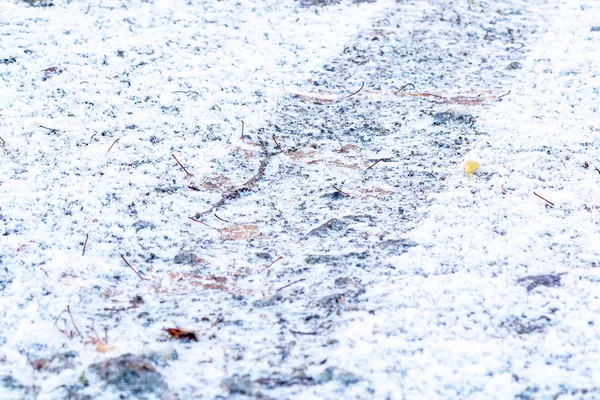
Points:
(470, 168)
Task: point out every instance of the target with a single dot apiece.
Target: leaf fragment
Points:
(181, 334)
(470, 167)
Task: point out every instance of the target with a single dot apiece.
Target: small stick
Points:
(219, 218)
(133, 269)
(201, 222)
(375, 163)
(288, 285)
(181, 165)
(549, 202)
(111, 146)
(405, 86)
(61, 313)
(84, 245)
(217, 106)
(505, 94)
(242, 129)
(277, 259)
(44, 271)
(302, 333)
(345, 194)
(597, 170)
(502, 187)
(185, 91)
(106, 335)
(50, 129)
(73, 321)
(361, 88)
(277, 144)
(216, 320)
(3, 141)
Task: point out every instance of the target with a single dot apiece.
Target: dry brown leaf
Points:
(103, 347)
(469, 98)
(217, 183)
(182, 334)
(241, 232)
(318, 98)
(376, 192)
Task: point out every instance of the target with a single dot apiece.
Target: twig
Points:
(50, 129)
(217, 106)
(201, 222)
(505, 94)
(375, 163)
(216, 320)
(405, 86)
(242, 135)
(288, 285)
(344, 193)
(133, 269)
(277, 145)
(270, 265)
(302, 333)
(88, 9)
(219, 218)
(111, 146)
(181, 165)
(361, 88)
(106, 335)
(3, 141)
(549, 202)
(597, 170)
(61, 313)
(185, 91)
(73, 321)
(84, 245)
(44, 271)
(246, 186)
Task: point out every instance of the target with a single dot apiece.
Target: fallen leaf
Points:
(182, 334)
(470, 168)
(103, 347)
(318, 98)
(241, 232)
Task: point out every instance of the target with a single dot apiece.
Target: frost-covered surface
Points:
(406, 279)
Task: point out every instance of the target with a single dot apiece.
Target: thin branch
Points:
(361, 88)
(220, 219)
(85, 244)
(288, 285)
(133, 269)
(270, 265)
(73, 321)
(407, 85)
(344, 193)
(246, 186)
(203, 223)
(182, 167)
(505, 94)
(50, 129)
(549, 202)
(375, 163)
(111, 146)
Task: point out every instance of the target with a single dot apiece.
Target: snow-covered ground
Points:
(324, 244)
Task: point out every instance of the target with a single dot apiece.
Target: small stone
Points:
(238, 385)
(333, 225)
(515, 65)
(139, 225)
(132, 374)
(187, 257)
(595, 29)
(321, 259)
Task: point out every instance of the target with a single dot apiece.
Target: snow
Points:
(406, 279)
